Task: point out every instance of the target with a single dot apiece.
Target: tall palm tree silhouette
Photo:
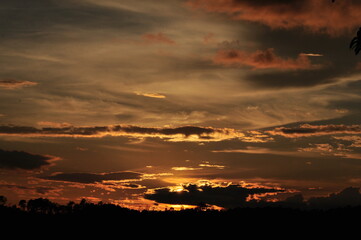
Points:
(356, 42)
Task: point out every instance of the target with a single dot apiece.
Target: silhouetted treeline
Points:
(335, 210)
(259, 219)
(294, 208)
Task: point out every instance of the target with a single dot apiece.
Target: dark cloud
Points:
(89, 178)
(39, 15)
(307, 130)
(23, 160)
(228, 197)
(94, 130)
(329, 58)
(333, 19)
(261, 60)
(348, 197)
(186, 130)
(201, 133)
(36, 190)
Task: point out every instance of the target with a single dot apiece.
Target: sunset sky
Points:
(130, 102)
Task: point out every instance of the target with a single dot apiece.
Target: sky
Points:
(151, 104)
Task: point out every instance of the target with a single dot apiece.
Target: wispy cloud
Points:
(261, 60)
(158, 38)
(15, 84)
(312, 54)
(337, 150)
(307, 130)
(176, 134)
(31, 190)
(185, 168)
(35, 57)
(54, 124)
(151, 95)
(258, 150)
(288, 14)
(94, 177)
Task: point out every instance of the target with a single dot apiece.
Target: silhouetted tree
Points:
(83, 202)
(356, 42)
(41, 205)
(70, 206)
(22, 204)
(3, 200)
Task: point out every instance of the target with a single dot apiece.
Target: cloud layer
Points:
(261, 60)
(313, 15)
(228, 197)
(159, 38)
(185, 133)
(14, 84)
(89, 178)
(23, 160)
(307, 130)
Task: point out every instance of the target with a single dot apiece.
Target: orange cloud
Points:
(158, 38)
(314, 15)
(15, 84)
(261, 60)
(151, 95)
(176, 134)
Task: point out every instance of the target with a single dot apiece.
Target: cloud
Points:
(185, 168)
(15, 84)
(54, 124)
(184, 133)
(87, 15)
(257, 150)
(200, 167)
(20, 189)
(355, 140)
(159, 38)
(90, 178)
(23, 160)
(261, 60)
(348, 197)
(307, 130)
(338, 150)
(312, 54)
(282, 79)
(151, 95)
(313, 15)
(208, 165)
(227, 197)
